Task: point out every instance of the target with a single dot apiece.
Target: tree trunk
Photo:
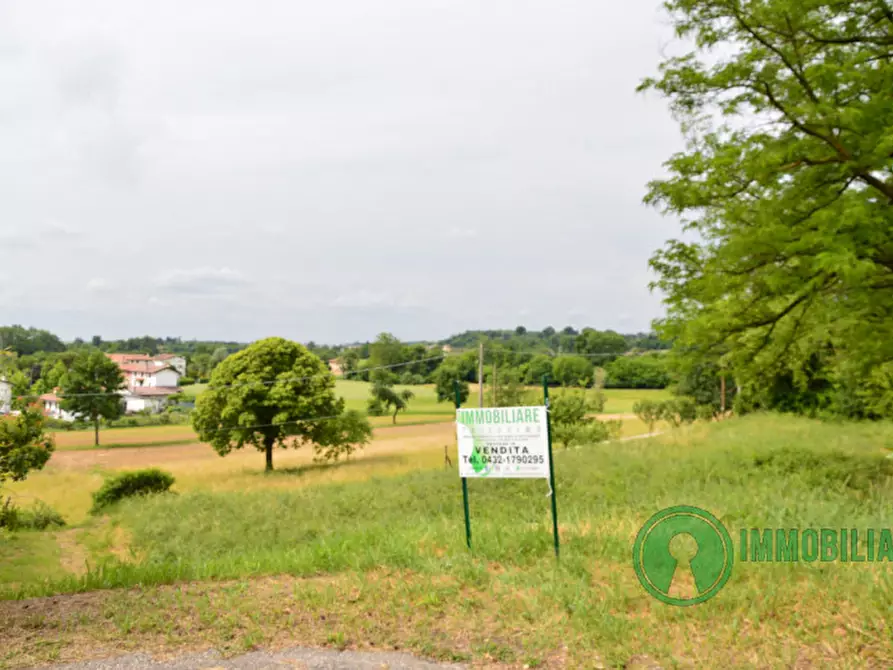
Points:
(96, 431)
(395, 415)
(268, 445)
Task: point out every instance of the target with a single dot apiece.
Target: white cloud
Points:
(98, 284)
(201, 281)
(462, 233)
(364, 298)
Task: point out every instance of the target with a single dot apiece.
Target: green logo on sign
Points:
(478, 462)
(655, 567)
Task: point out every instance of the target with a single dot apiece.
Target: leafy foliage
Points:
(638, 372)
(573, 371)
(39, 516)
(130, 484)
(23, 444)
(445, 378)
(787, 181)
(275, 393)
(649, 412)
(383, 396)
(571, 424)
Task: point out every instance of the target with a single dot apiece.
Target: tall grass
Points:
(760, 471)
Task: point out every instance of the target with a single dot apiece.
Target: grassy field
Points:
(371, 553)
(424, 408)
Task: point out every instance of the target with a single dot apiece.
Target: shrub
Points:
(39, 516)
(679, 411)
(568, 414)
(649, 412)
(129, 484)
(187, 381)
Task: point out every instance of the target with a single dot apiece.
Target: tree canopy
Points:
(276, 393)
(23, 444)
(787, 181)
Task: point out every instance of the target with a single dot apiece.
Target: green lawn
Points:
(384, 562)
(619, 401)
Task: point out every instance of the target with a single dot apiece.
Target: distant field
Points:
(618, 401)
(423, 408)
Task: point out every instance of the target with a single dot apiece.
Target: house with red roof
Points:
(150, 380)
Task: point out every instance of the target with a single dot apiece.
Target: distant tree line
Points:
(38, 361)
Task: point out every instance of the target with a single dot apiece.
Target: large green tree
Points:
(90, 388)
(787, 184)
(276, 393)
(573, 371)
(592, 341)
(23, 444)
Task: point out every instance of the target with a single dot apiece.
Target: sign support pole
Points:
(551, 466)
(465, 480)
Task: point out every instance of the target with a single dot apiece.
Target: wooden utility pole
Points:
(722, 394)
(494, 385)
(481, 374)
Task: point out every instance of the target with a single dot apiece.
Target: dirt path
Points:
(294, 658)
(72, 555)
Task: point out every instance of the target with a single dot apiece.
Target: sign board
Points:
(503, 442)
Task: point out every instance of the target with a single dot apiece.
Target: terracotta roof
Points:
(166, 357)
(120, 358)
(145, 367)
(50, 397)
(154, 390)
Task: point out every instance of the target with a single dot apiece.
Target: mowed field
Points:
(423, 409)
(370, 554)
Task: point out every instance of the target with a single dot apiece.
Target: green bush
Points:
(39, 516)
(129, 484)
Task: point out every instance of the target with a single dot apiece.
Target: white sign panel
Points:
(503, 442)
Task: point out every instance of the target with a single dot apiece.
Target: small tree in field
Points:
(649, 412)
(90, 388)
(23, 444)
(276, 393)
(571, 424)
(384, 396)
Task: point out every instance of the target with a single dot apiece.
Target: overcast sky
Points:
(328, 170)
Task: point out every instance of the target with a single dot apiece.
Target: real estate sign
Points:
(511, 442)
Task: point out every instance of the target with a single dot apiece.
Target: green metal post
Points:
(464, 480)
(551, 463)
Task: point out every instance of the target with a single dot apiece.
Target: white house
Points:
(52, 407)
(5, 396)
(177, 362)
(148, 374)
(151, 398)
